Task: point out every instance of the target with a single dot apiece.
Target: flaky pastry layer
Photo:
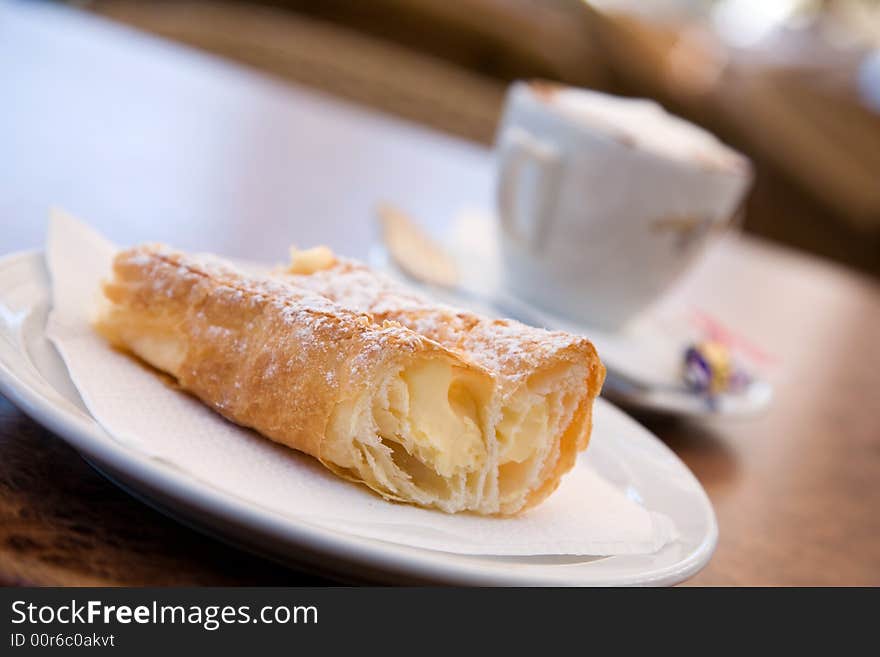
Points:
(419, 402)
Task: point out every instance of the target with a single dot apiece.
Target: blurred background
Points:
(151, 141)
(794, 84)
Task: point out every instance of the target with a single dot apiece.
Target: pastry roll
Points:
(420, 403)
(544, 381)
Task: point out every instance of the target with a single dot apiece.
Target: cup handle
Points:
(517, 151)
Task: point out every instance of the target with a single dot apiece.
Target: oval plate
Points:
(33, 377)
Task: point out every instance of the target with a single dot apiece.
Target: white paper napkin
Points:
(586, 516)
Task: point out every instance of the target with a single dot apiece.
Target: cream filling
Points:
(422, 434)
(165, 353)
(531, 423)
(520, 424)
(431, 410)
(308, 261)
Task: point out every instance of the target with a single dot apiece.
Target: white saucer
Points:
(644, 358)
(34, 378)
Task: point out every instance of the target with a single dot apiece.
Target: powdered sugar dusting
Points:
(504, 347)
(316, 321)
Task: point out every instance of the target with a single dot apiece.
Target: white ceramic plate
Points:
(33, 376)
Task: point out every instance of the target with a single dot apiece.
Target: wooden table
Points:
(152, 141)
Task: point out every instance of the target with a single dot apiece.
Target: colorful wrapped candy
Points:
(710, 369)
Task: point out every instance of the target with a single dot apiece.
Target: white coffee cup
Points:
(605, 201)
